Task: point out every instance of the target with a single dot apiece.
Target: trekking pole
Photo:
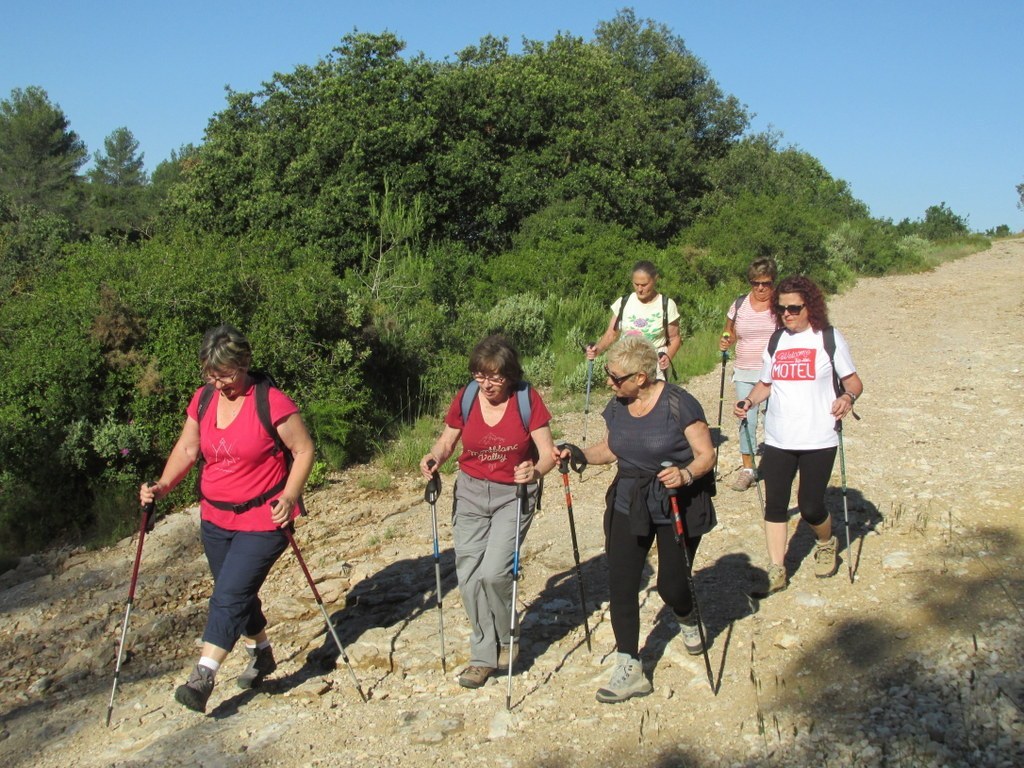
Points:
(721, 402)
(323, 610)
(144, 525)
(586, 407)
(563, 468)
(745, 426)
(846, 511)
(680, 534)
(430, 496)
(521, 495)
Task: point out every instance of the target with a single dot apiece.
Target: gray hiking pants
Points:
(484, 529)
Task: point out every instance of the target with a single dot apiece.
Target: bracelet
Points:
(853, 397)
(688, 472)
(750, 403)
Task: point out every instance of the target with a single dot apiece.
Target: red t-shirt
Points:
(492, 453)
(240, 462)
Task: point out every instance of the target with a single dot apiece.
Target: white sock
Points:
(210, 664)
(262, 644)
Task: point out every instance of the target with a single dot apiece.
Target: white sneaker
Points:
(690, 634)
(628, 680)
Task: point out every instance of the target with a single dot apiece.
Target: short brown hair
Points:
(495, 354)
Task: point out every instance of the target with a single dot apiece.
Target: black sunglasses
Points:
(618, 380)
(792, 309)
(762, 283)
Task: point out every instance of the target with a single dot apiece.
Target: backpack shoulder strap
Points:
(525, 408)
(262, 392)
(737, 304)
(205, 397)
(828, 336)
(622, 310)
(468, 397)
(773, 342)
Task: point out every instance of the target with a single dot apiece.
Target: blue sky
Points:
(912, 102)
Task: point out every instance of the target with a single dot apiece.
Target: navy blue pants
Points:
(239, 562)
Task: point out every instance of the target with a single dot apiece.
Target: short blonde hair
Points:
(634, 354)
(224, 348)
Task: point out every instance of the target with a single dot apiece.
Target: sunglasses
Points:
(790, 309)
(761, 283)
(618, 380)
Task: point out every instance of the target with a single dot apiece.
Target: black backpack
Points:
(261, 390)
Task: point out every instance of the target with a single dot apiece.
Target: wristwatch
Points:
(853, 397)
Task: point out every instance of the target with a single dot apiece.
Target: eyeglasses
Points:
(762, 283)
(790, 309)
(493, 378)
(618, 380)
(212, 378)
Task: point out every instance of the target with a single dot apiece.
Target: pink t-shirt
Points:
(240, 462)
(492, 453)
(753, 330)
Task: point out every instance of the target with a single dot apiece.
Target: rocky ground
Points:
(917, 662)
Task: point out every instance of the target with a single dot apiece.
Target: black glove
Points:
(577, 459)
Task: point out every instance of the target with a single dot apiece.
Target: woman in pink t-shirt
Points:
(749, 324)
(499, 451)
(248, 492)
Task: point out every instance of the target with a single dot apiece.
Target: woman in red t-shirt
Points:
(499, 451)
(247, 493)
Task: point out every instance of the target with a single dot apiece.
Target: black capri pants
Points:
(779, 467)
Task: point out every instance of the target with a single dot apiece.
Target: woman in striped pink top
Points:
(749, 324)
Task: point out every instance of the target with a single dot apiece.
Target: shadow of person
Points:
(391, 597)
(722, 598)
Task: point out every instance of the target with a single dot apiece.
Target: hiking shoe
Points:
(776, 578)
(261, 664)
(503, 655)
(627, 681)
(825, 563)
(196, 692)
(474, 676)
(744, 480)
(690, 634)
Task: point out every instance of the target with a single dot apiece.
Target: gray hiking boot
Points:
(825, 563)
(503, 655)
(196, 692)
(743, 480)
(690, 632)
(776, 578)
(627, 681)
(261, 664)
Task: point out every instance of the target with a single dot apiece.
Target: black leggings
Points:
(779, 467)
(627, 554)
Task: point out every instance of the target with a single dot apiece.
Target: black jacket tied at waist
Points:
(649, 503)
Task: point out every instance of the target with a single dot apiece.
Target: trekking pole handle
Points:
(677, 519)
(433, 490)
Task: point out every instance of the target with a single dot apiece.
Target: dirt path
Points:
(916, 663)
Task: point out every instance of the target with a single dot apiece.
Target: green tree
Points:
(117, 196)
(39, 154)
(940, 223)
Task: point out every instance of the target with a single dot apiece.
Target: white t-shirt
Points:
(799, 415)
(641, 319)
